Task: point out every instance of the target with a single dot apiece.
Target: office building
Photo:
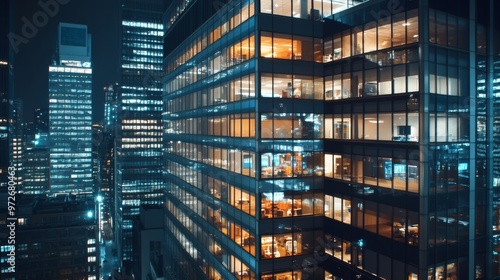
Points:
(37, 131)
(97, 155)
(5, 81)
(148, 240)
(56, 237)
(331, 140)
(241, 204)
(6, 269)
(17, 136)
(123, 273)
(104, 166)
(156, 267)
(70, 111)
(41, 121)
(6, 86)
(107, 154)
(36, 169)
(36, 161)
(110, 107)
(4, 135)
(108, 141)
(29, 131)
(107, 145)
(138, 157)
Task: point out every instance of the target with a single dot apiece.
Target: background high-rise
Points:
(70, 111)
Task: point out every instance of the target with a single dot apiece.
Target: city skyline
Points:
(36, 47)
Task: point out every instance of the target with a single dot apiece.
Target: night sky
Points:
(33, 58)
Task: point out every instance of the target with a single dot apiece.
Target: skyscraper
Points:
(4, 136)
(4, 92)
(148, 237)
(110, 107)
(107, 153)
(70, 111)
(16, 137)
(139, 131)
(323, 140)
(97, 155)
(36, 161)
(6, 85)
(41, 122)
(36, 168)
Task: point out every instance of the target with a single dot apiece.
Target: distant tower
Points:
(41, 121)
(4, 137)
(97, 137)
(110, 106)
(107, 148)
(16, 131)
(36, 155)
(70, 111)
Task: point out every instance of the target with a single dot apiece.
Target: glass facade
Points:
(414, 122)
(315, 10)
(138, 154)
(70, 128)
(315, 140)
(221, 184)
(210, 98)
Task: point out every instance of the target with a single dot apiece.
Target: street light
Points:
(99, 200)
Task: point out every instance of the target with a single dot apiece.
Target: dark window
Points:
(72, 36)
